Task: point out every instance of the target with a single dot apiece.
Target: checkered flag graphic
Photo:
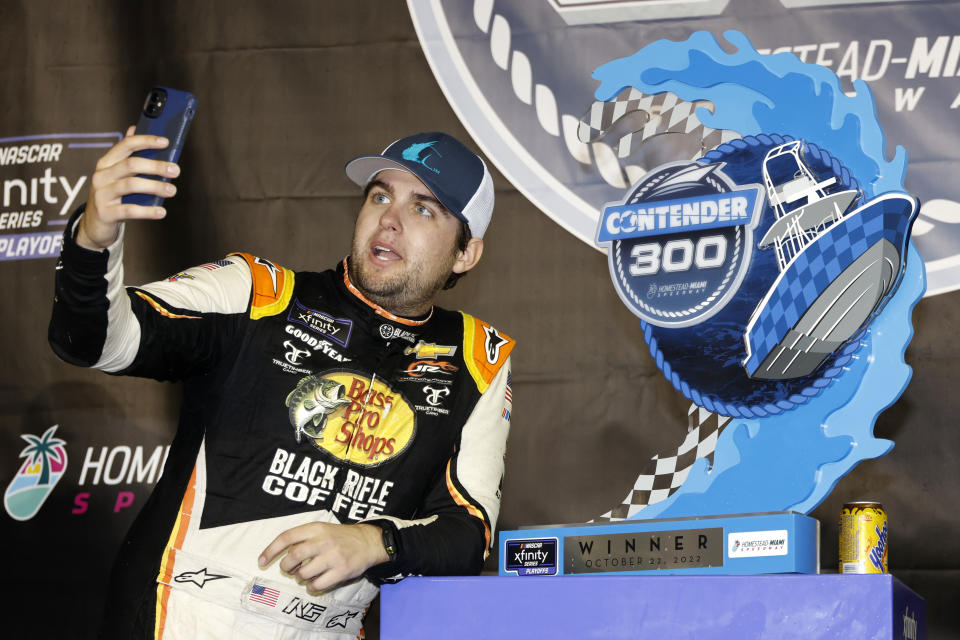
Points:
(660, 113)
(664, 476)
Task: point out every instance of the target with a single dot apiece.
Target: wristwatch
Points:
(389, 540)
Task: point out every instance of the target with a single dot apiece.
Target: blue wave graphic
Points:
(793, 460)
(754, 93)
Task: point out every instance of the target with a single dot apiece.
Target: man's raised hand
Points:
(116, 176)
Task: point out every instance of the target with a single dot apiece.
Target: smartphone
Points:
(166, 112)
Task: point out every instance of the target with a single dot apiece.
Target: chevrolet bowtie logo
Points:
(430, 351)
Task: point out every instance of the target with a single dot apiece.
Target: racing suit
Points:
(303, 402)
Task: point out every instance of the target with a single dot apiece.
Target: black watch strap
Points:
(389, 540)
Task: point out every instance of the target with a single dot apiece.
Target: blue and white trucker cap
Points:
(454, 174)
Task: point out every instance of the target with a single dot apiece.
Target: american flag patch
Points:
(506, 414)
(508, 396)
(212, 266)
(264, 595)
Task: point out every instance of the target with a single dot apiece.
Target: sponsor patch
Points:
(389, 332)
(293, 357)
(198, 578)
(352, 417)
(430, 351)
(434, 396)
(316, 343)
(336, 329)
(421, 368)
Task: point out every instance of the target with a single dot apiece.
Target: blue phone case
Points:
(166, 112)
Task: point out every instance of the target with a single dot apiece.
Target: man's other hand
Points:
(323, 555)
(116, 176)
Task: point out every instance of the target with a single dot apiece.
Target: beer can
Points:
(863, 538)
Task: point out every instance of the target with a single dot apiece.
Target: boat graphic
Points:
(839, 263)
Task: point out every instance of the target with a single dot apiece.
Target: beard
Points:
(406, 293)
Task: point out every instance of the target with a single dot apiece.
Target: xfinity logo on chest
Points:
(336, 329)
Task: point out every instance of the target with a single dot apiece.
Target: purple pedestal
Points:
(784, 607)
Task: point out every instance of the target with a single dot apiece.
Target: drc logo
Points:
(679, 244)
(532, 557)
(46, 461)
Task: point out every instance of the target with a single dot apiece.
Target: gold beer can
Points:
(863, 538)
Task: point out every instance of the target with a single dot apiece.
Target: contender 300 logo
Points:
(680, 242)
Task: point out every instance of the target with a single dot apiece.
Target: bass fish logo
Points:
(46, 461)
(311, 402)
(352, 417)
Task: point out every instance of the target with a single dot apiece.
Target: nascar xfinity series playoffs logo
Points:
(43, 178)
(680, 242)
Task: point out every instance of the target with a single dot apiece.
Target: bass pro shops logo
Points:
(680, 242)
(360, 421)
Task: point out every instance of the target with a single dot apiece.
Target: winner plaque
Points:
(782, 542)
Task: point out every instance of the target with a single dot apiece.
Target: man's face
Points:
(404, 244)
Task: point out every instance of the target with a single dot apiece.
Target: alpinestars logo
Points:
(272, 268)
(420, 153)
(198, 578)
(492, 343)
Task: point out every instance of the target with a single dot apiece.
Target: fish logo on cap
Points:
(414, 152)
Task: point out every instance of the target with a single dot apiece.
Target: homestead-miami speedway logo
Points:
(574, 148)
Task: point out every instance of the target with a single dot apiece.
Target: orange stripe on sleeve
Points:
(177, 536)
(471, 509)
(161, 310)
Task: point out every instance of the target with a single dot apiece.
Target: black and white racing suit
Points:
(303, 402)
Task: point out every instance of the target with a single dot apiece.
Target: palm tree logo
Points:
(45, 463)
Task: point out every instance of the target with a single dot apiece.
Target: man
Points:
(337, 429)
